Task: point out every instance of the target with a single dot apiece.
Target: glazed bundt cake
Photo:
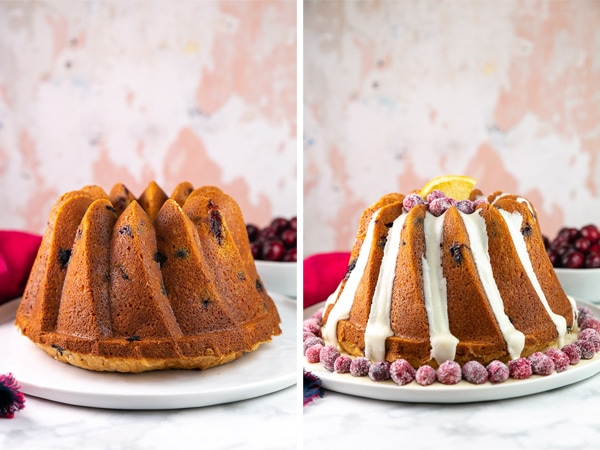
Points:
(131, 285)
(434, 279)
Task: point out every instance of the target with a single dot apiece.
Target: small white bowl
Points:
(279, 277)
(580, 283)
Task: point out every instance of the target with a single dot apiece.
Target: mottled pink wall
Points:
(396, 93)
(103, 91)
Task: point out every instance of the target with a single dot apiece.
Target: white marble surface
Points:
(267, 422)
(564, 418)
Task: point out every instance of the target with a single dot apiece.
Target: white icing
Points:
(379, 326)
(513, 221)
(443, 343)
(341, 308)
(476, 228)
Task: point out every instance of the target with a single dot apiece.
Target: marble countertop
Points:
(267, 422)
(562, 418)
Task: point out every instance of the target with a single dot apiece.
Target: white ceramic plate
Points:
(278, 276)
(463, 392)
(270, 368)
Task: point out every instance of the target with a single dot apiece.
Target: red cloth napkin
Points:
(17, 253)
(323, 273)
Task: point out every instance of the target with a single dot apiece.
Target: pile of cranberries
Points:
(585, 347)
(575, 248)
(275, 242)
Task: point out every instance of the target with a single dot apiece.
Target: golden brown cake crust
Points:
(126, 284)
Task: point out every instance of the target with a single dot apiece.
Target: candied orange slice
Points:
(458, 187)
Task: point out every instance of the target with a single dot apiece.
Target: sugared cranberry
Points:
(310, 342)
(497, 371)
(573, 259)
(306, 335)
(440, 205)
(449, 372)
(519, 369)
(433, 195)
(273, 250)
(480, 201)
(401, 372)
(328, 355)
(313, 325)
(541, 364)
(582, 313)
(252, 231)
(425, 375)
(313, 354)
(379, 371)
(342, 364)
(318, 315)
(474, 372)
(412, 200)
(573, 352)
(279, 224)
(591, 334)
(587, 348)
(589, 322)
(360, 367)
(465, 206)
(559, 358)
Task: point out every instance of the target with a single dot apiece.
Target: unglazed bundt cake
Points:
(434, 279)
(131, 285)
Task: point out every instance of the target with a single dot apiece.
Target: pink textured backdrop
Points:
(397, 93)
(103, 91)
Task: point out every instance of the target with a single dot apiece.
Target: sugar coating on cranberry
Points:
(328, 356)
(440, 205)
(497, 371)
(474, 372)
(313, 354)
(592, 335)
(449, 372)
(465, 206)
(306, 335)
(342, 364)
(379, 371)
(587, 348)
(480, 201)
(559, 358)
(313, 326)
(360, 367)
(435, 195)
(573, 352)
(312, 341)
(582, 313)
(541, 364)
(412, 200)
(425, 375)
(401, 372)
(519, 369)
(590, 322)
(318, 315)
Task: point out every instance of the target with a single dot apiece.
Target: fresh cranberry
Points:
(573, 259)
(592, 260)
(273, 250)
(290, 255)
(279, 224)
(256, 248)
(267, 233)
(591, 233)
(595, 248)
(294, 223)
(252, 231)
(570, 233)
(554, 258)
(582, 244)
(288, 237)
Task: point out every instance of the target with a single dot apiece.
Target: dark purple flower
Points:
(11, 398)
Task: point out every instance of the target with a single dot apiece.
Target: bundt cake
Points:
(131, 285)
(435, 279)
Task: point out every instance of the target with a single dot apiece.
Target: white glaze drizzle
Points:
(378, 327)
(476, 229)
(513, 221)
(341, 308)
(443, 343)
